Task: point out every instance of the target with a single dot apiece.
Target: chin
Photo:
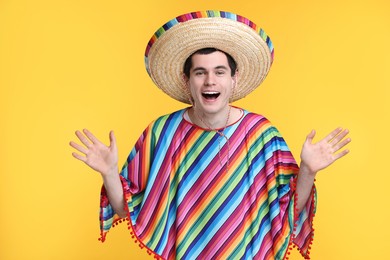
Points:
(212, 108)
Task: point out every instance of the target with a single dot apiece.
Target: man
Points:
(211, 181)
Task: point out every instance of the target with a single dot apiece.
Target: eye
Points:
(199, 73)
(220, 72)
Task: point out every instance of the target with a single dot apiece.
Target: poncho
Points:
(183, 202)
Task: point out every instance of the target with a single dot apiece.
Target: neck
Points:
(211, 121)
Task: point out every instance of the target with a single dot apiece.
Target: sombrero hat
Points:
(236, 35)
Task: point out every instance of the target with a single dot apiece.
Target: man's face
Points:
(210, 82)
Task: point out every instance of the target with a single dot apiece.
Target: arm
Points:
(103, 159)
(318, 156)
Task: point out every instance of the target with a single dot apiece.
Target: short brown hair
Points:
(188, 63)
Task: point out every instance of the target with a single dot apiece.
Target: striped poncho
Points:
(183, 201)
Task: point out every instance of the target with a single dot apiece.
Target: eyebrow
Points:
(216, 68)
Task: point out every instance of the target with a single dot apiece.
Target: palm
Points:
(317, 156)
(97, 155)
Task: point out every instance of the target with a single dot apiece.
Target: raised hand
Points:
(317, 156)
(96, 155)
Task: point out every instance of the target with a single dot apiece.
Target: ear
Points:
(185, 79)
(235, 77)
(185, 85)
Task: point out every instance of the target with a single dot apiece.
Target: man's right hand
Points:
(97, 155)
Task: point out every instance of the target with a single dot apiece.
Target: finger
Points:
(79, 157)
(310, 136)
(341, 154)
(112, 140)
(91, 136)
(334, 133)
(339, 137)
(83, 139)
(341, 144)
(78, 147)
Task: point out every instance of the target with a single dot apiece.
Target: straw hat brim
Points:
(252, 50)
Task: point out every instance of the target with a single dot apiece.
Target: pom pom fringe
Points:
(291, 244)
(130, 227)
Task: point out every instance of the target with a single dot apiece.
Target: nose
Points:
(209, 80)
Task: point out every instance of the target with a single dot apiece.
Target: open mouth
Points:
(210, 95)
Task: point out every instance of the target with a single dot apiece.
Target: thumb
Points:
(112, 140)
(310, 136)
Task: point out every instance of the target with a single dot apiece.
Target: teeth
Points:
(211, 94)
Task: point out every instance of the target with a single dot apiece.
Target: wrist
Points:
(304, 169)
(110, 173)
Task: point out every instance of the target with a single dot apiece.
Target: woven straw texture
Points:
(173, 44)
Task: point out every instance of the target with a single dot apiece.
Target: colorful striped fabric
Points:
(183, 203)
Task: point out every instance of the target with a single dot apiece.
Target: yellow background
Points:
(67, 65)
